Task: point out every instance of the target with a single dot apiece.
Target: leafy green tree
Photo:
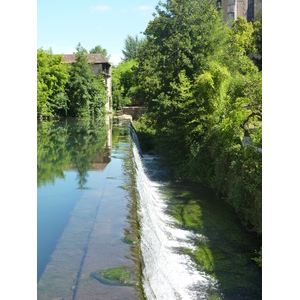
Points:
(124, 84)
(87, 93)
(100, 50)
(241, 47)
(52, 77)
(82, 49)
(242, 35)
(132, 47)
(204, 95)
(182, 36)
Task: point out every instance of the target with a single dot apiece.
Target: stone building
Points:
(243, 8)
(99, 65)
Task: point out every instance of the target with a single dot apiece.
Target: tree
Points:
(87, 93)
(202, 91)
(52, 77)
(124, 84)
(132, 47)
(182, 36)
(99, 49)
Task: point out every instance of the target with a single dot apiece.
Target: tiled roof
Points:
(92, 58)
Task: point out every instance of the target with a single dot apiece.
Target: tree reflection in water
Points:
(71, 144)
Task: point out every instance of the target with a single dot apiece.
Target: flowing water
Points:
(102, 205)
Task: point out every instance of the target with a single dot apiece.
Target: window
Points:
(250, 10)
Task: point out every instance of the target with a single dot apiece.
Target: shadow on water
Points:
(225, 248)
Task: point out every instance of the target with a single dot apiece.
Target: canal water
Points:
(104, 207)
(85, 210)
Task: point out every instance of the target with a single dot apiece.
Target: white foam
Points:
(167, 274)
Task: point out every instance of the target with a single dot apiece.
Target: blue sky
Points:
(63, 24)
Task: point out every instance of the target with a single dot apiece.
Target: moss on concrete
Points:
(115, 276)
(130, 239)
(205, 259)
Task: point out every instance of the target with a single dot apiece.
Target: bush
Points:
(146, 133)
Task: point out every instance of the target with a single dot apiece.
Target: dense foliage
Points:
(68, 90)
(125, 87)
(52, 77)
(87, 93)
(204, 97)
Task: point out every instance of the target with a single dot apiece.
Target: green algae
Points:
(130, 239)
(205, 259)
(115, 276)
(125, 187)
(177, 213)
(192, 214)
(188, 215)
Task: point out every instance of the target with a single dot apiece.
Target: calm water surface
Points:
(85, 208)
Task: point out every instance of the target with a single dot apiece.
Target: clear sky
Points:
(63, 24)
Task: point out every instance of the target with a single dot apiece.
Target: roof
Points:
(92, 58)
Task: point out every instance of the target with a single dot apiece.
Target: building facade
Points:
(99, 65)
(232, 9)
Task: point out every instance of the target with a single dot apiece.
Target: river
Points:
(105, 210)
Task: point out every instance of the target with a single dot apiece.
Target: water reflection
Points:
(71, 144)
(84, 220)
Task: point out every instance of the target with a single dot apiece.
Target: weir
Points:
(167, 272)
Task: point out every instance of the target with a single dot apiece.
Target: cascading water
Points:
(167, 272)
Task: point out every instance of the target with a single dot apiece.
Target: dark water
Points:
(85, 208)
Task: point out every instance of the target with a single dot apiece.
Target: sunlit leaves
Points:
(124, 84)
(87, 94)
(52, 77)
(204, 93)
